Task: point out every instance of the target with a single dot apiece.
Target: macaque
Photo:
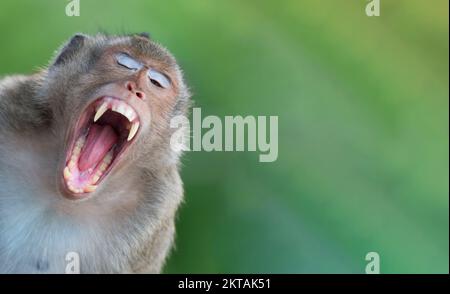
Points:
(86, 166)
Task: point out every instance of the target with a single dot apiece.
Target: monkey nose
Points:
(131, 86)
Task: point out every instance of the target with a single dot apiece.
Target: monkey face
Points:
(118, 97)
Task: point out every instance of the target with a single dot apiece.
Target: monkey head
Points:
(112, 98)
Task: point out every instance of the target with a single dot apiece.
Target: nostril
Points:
(132, 88)
(129, 87)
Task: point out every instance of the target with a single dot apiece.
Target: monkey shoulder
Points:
(151, 255)
(21, 107)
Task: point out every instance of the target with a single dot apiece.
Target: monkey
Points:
(86, 166)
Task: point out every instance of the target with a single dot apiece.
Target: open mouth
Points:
(104, 131)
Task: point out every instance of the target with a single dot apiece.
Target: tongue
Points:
(99, 140)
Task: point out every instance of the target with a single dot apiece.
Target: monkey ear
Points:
(70, 48)
(145, 35)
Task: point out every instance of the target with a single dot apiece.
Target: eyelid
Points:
(159, 77)
(128, 62)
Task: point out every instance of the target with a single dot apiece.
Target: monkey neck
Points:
(30, 173)
(43, 225)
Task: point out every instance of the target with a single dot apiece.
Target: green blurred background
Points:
(363, 125)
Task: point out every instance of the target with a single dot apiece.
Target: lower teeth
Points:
(72, 168)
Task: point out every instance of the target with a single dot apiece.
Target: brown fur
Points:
(127, 225)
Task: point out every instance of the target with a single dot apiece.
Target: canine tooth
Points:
(100, 111)
(90, 188)
(133, 130)
(67, 173)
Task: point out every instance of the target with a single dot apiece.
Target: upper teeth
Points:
(125, 110)
(122, 108)
(116, 106)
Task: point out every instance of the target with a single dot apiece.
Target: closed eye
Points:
(125, 60)
(158, 79)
